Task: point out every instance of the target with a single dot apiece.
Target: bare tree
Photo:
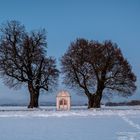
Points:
(96, 69)
(23, 60)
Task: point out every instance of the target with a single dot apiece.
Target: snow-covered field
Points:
(107, 123)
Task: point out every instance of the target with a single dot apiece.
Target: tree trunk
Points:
(98, 95)
(97, 100)
(34, 96)
(94, 101)
(91, 101)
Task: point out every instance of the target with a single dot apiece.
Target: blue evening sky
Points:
(66, 20)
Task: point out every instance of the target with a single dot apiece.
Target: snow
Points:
(45, 123)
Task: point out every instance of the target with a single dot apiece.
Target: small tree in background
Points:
(97, 68)
(23, 60)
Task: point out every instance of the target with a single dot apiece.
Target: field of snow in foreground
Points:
(20, 123)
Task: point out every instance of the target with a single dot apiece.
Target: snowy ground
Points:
(112, 123)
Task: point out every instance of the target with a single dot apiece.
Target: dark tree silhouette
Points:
(96, 69)
(23, 60)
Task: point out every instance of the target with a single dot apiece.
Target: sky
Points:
(66, 20)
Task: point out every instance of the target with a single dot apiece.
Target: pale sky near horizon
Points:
(116, 20)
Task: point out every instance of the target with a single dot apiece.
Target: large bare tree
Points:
(24, 61)
(97, 69)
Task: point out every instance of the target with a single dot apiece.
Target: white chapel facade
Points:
(63, 101)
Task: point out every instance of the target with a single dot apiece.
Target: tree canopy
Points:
(24, 60)
(97, 68)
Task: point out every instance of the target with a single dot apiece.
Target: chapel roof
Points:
(63, 94)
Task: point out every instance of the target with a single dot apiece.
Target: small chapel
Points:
(63, 101)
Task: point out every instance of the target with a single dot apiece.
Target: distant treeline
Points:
(131, 103)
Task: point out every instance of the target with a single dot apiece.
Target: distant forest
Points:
(130, 103)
